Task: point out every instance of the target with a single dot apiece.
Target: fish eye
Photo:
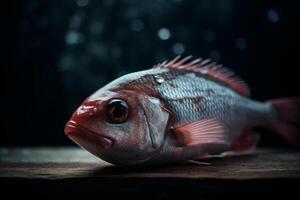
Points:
(117, 111)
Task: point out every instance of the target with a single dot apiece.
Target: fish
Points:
(180, 110)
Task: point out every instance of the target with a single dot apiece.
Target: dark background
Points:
(59, 52)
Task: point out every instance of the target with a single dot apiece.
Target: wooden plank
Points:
(62, 163)
(71, 173)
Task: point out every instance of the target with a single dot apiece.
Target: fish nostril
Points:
(93, 112)
(95, 109)
(83, 111)
(90, 109)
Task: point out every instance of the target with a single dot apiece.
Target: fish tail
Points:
(288, 119)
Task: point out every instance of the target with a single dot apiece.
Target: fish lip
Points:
(74, 125)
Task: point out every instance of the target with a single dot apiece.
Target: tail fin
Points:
(288, 124)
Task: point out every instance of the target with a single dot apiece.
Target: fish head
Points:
(120, 127)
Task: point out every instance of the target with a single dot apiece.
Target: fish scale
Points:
(194, 98)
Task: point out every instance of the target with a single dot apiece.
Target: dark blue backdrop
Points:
(61, 51)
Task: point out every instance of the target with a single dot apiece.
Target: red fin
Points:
(214, 70)
(288, 124)
(246, 142)
(202, 132)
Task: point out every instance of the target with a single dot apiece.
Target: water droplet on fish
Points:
(159, 79)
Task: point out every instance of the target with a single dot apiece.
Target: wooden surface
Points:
(59, 163)
(77, 171)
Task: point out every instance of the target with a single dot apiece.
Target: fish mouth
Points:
(80, 134)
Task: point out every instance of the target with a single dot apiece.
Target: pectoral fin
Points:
(246, 142)
(206, 131)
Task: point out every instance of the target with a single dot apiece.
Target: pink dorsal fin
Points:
(211, 69)
(206, 131)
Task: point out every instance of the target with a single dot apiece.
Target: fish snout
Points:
(83, 127)
(85, 137)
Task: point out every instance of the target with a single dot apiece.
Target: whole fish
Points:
(177, 111)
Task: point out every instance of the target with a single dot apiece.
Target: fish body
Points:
(174, 112)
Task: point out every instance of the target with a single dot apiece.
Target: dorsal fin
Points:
(212, 69)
